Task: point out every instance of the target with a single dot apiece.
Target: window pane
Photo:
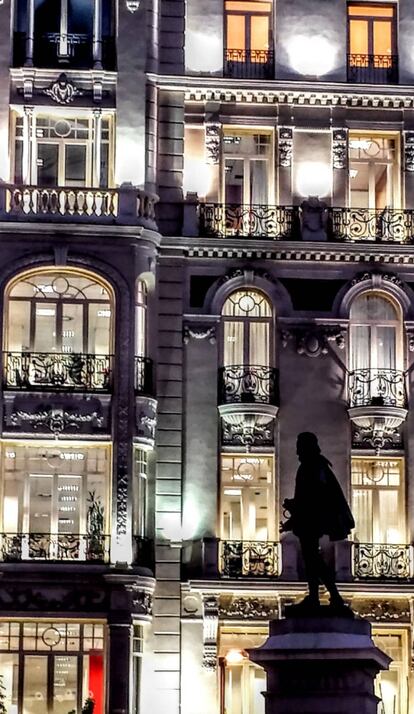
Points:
(45, 327)
(259, 352)
(99, 329)
(75, 165)
(47, 164)
(18, 162)
(9, 672)
(382, 38)
(236, 32)
(370, 10)
(358, 37)
(35, 685)
(360, 347)
(19, 326)
(233, 343)
(259, 33)
(72, 328)
(362, 510)
(389, 525)
(65, 684)
(386, 340)
(234, 183)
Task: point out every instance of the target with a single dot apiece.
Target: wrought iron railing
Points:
(382, 560)
(249, 64)
(126, 205)
(143, 552)
(254, 384)
(377, 388)
(144, 376)
(221, 220)
(373, 69)
(249, 558)
(368, 224)
(57, 371)
(48, 546)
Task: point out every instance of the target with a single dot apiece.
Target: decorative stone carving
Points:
(210, 631)
(247, 433)
(146, 419)
(340, 148)
(285, 146)
(246, 608)
(377, 279)
(380, 436)
(142, 602)
(122, 500)
(199, 332)
(410, 340)
(314, 219)
(409, 151)
(382, 610)
(213, 142)
(313, 342)
(55, 420)
(62, 91)
(132, 5)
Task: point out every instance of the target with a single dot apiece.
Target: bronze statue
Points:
(318, 508)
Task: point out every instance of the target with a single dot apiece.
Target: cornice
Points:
(292, 251)
(223, 89)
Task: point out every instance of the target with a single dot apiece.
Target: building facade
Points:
(219, 197)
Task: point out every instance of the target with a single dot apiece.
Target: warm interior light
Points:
(313, 56)
(197, 177)
(314, 178)
(235, 656)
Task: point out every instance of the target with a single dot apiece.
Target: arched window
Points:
(375, 334)
(247, 333)
(58, 330)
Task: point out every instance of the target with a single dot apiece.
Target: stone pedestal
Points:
(320, 665)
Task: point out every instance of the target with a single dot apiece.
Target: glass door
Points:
(40, 517)
(47, 164)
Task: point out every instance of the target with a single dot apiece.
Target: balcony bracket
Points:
(248, 425)
(378, 426)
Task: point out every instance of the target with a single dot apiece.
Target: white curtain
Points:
(259, 343)
(233, 343)
(258, 182)
(362, 510)
(360, 347)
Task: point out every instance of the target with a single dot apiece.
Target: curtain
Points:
(259, 348)
(386, 347)
(360, 357)
(362, 510)
(389, 524)
(233, 343)
(258, 182)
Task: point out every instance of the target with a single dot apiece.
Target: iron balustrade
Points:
(249, 64)
(377, 388)
(382, 560)
(253, 384)
(367, 224)
(249, 558)
(144, 376)
(51, 546)
(57, 371)
(373, 69)
(221, 220)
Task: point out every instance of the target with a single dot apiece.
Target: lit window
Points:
(374, 173)
(248, 24)
(391, 686)
(247, 334)
(378, 502)
(375, 334)
(371, 34)
(242, 681)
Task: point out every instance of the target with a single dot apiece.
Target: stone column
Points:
(120, 655)
(30, 33)
(27, 145)
(97, 34)
(97, 137)
(320, 664)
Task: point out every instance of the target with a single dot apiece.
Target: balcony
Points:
(373, 69)
(248, 384)
(382, 561)
(72, 51)
(16, 547)
(377, 401)
(45, 371)
(357, 225)
(220, 220)
(249, 64)
(254, 559)
(124, 206)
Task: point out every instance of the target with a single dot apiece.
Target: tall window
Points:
(376, 333)
(64, 151)
(59, 311)
(248, 25)
(247, 498)
(51, 493)
(247, 329)
(392, 686)
(373, 171)
(140, 492)
(52, 666)
(378, 502)
(372, 43)
(241, 681)
(247, 166)
(141, 319)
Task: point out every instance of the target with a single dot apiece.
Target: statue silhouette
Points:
(318, 508)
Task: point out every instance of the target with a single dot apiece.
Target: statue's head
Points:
(307, 446)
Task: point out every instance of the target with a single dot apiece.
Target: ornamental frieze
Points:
(313, 341)
(383, 610)
(245, 608)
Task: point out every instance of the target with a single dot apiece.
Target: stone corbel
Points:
(285, 146)
(199, 332)
(212, 142)
(313, 342)
(409, 151)
(340, 148)
(132, 5)
(211, 605)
